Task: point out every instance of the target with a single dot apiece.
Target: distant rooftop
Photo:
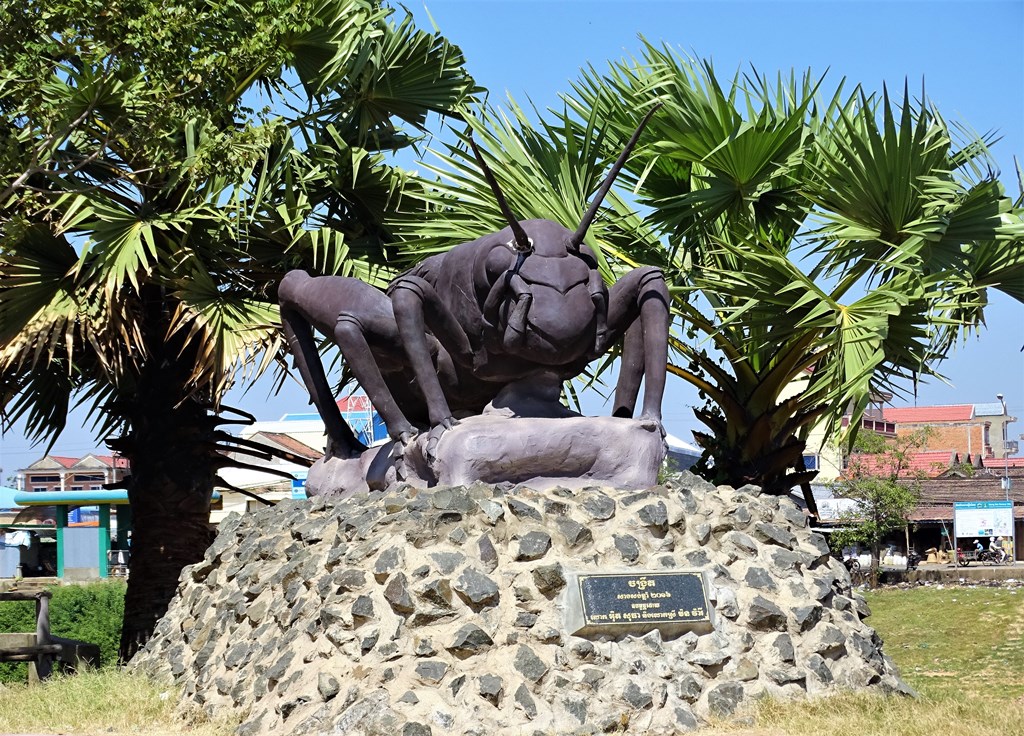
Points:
(929, 463)
(1014, 465)
(85, 463)
(992, 409)
(925, 414)
(938, 496)
(291, 444)
(306, 417)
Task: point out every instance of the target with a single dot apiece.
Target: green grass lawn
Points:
(955, 640)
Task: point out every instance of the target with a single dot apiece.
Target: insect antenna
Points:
(591, 213)
(522, 240)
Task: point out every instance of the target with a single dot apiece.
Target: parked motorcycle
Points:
(857, 575)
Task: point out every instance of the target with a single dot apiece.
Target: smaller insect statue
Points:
(525, 306)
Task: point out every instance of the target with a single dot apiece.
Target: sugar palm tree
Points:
(818, 251)
(147, 213)
(847, 241)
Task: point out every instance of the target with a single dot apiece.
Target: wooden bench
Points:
(41, 649)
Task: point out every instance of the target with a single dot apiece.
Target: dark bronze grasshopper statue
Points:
(525, 305)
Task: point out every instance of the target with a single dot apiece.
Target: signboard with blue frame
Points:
(299, 484)
(983, 520)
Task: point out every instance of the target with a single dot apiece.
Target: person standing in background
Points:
(1007, 544)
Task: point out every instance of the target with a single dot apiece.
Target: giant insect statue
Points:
(523, 305)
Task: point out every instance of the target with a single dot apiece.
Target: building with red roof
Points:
(922, 415)
(966, 429)
(925, 464)
(997, 466)
(60, 473)
(930, 524)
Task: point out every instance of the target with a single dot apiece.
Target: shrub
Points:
(90, 613)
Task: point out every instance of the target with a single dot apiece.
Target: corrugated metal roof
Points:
(992, 409)
(938, 496)
(289, 443)
(682, 446)
(250, 478)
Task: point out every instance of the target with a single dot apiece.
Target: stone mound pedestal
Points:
(447, 611)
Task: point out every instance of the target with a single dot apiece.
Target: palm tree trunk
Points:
(173, 466)
(171, 529)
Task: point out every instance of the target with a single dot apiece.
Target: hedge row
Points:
(90, 613)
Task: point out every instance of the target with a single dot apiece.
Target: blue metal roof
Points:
(993, 409)
(301, 417)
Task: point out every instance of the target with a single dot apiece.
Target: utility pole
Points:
(1006, 461)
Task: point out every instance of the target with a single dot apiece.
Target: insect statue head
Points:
(551, 302)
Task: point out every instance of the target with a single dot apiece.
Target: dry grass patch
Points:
(106, 701)
(961, 648)
(871, 715)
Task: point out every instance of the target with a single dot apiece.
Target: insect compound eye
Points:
(514, 245)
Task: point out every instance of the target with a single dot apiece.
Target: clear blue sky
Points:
(969, 55)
